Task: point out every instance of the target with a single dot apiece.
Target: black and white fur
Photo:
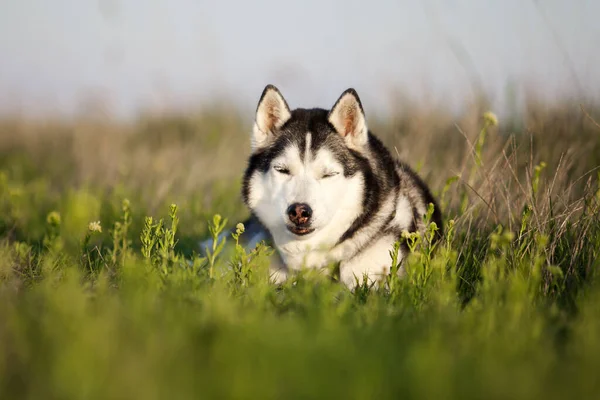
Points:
(326, 190)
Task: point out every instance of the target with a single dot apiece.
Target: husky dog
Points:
(324, 190)
(327, 191)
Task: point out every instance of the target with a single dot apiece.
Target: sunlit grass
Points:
(103, 293)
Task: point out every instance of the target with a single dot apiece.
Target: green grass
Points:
(506, 306)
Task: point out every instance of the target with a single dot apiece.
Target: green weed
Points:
(103, 297)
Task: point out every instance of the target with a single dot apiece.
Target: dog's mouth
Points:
(300, 230)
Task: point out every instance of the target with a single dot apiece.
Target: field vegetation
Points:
(103, 292)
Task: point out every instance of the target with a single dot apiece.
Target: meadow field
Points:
(103, 294)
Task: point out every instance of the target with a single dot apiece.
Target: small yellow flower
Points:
(53, 218)
(490, 118)
(95, 227)
(240, 227)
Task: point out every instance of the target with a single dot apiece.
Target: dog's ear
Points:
(272, 112)
(348, 119)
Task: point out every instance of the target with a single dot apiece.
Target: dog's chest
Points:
(298, 258)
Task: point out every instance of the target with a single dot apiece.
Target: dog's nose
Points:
(299, 213)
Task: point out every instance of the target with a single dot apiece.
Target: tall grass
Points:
(103, 293)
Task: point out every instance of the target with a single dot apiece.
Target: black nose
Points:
(299, 213)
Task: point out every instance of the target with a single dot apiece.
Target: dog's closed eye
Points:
(281, 169)
(329, 174)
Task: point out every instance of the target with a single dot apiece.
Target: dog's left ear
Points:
(348, 119)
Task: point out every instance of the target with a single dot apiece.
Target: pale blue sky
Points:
(181, 52)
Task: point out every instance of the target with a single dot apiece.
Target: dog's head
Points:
(305, 175)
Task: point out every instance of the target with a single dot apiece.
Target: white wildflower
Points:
(95, 226)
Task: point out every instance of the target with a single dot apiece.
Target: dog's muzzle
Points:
(300, 215)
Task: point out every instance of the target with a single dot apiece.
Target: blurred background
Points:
(153, 101)
(126, 56)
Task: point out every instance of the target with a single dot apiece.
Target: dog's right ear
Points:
(272, 112)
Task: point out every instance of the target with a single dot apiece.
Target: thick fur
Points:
(361, 198)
